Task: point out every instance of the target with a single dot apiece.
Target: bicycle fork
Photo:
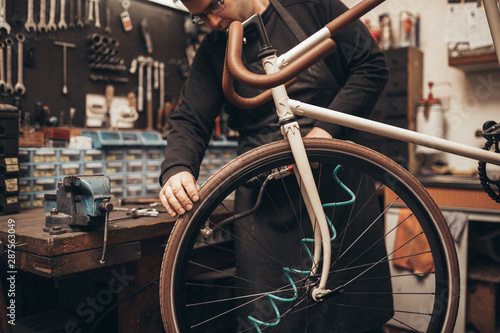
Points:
(302, 170)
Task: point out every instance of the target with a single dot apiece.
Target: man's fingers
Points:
(164, 201)
(177, 198)
(191, 188)
(173, 200)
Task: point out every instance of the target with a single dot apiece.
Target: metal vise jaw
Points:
(80, 201)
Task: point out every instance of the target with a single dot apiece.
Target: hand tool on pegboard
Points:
(125, 16)
(65, 63)
(149, 92)
(161, 88)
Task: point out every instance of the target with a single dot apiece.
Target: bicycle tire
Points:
(190, 290)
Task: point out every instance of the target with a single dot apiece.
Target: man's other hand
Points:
(179, 193)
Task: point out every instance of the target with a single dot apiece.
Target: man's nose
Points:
(213, 20)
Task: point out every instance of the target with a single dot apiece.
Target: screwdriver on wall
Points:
(65, 63)
(146, 34)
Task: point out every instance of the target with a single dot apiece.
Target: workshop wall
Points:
(43, 60)
(469, 98)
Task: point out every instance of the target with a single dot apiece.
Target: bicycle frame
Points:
(287, 108)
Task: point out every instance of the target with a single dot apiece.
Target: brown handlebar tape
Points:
(260, 81)
(242, 102)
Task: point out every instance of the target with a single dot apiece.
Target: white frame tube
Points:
(370, 126)
(291, 132)
(303, 47)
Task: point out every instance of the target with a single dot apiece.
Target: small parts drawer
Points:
(93, 155)
(9, 204)
(134, 166)
(93, 168)
(69, 169)
(45, 170)
(9, 165)
(44, 156)
(9, 145)
(133, 154)
(397, 83)
(44, 185)
(153, 167)
(9, 127)
(134, 179)
(70, 155)
(114, 167)
(395, 107)
(9, 186)
(114, 155)
(397, 58)
(116, 181)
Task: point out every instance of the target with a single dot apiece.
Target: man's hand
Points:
(179, 193)
(318, 132)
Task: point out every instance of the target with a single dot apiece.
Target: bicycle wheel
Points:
(241, 261)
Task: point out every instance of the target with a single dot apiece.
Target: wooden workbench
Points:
(135, 249)
(58, 255)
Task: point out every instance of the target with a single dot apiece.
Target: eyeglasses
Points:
(214, 8)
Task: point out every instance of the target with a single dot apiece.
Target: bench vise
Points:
(81, 201)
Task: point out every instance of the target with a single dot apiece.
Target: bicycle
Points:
(200, 289)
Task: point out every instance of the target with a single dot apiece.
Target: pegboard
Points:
(43, 60)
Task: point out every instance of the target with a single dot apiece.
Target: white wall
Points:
(473, 98)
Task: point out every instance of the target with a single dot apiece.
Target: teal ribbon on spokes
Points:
(286, 270)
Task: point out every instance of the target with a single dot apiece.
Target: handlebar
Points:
(233, 66)
(242, 102)
(238, 70)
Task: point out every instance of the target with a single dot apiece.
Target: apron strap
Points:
(297, 31)
(289, 21)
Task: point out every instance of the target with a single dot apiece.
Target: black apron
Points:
(278, 230)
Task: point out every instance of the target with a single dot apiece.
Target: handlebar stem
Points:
(255, 23)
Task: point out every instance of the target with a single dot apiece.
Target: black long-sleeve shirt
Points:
(359, 75)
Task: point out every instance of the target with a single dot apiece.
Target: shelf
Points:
(481, 62)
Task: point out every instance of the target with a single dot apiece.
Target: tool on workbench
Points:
(81, 202)
(136, 212)
(139, 201)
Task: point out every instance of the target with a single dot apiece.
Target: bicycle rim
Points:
(253, 274)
